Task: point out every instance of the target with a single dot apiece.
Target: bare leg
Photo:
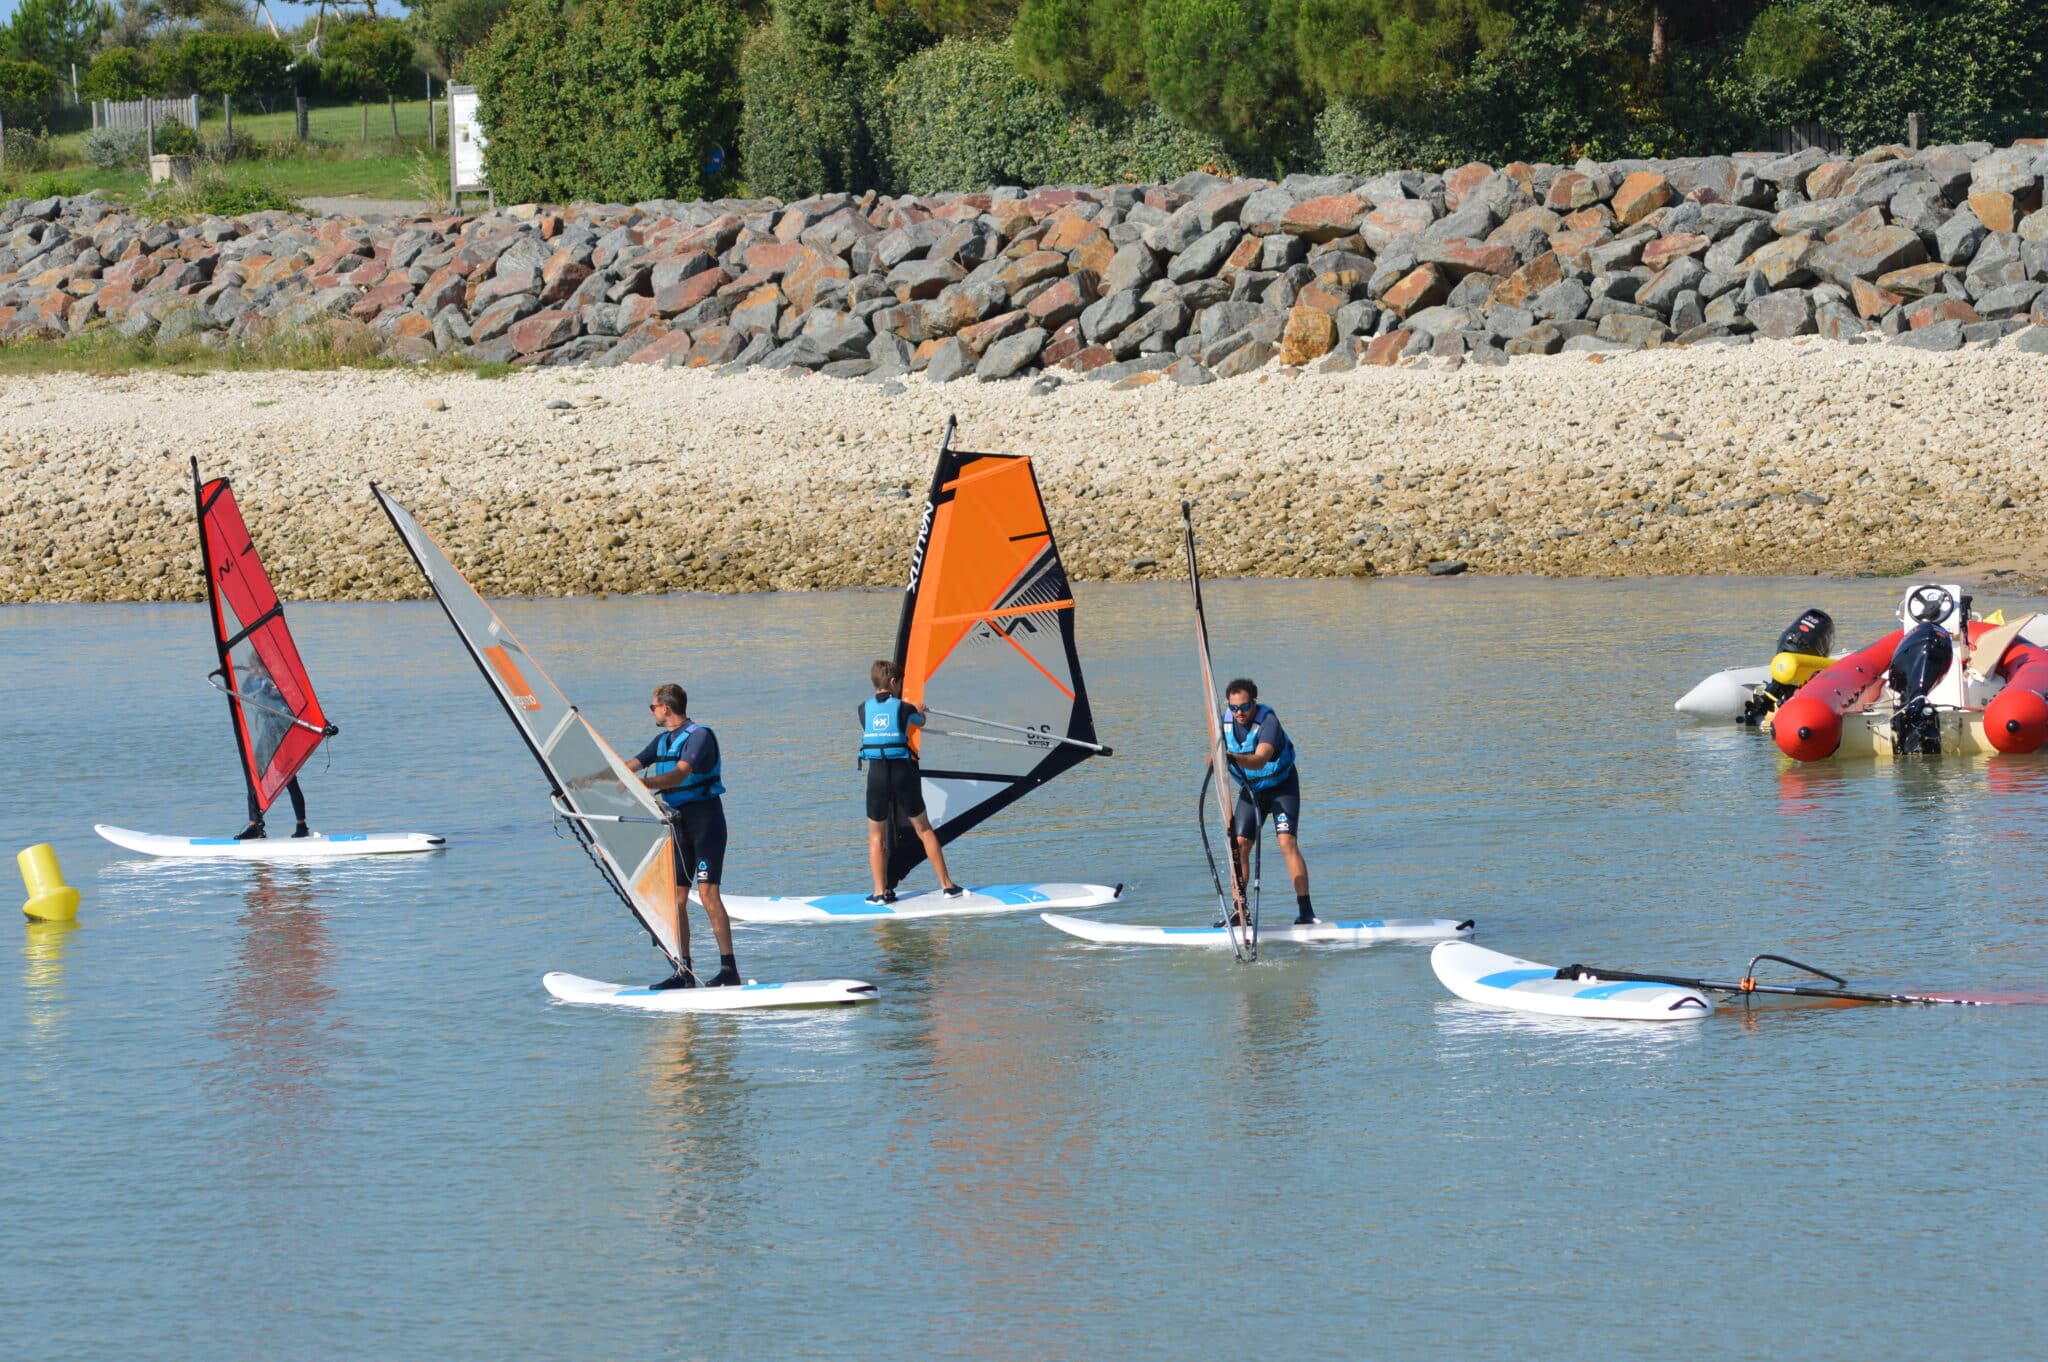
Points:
(1297, 868)
(878, 856)
(721, 925)
(932, 850)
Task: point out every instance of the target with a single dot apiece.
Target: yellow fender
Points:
(1796, 669)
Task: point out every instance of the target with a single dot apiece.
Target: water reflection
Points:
(275, 1027)
(42, 978)
(702, 1128)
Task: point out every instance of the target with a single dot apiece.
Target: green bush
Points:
(28, 152)
(961, 117)
(811, 80)
(216, 195)
(374, 57)
(114, 148)
(26, 89)
(1227, 67)
(42, 185)
(226, 64)
(626, 100)
(117, 73)
(172, 138)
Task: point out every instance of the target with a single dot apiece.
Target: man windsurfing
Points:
(683, 767)
(1262, 757)
(895, 785)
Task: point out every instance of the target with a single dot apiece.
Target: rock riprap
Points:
(1199, 279)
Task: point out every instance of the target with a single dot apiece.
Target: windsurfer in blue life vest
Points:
(895, 787)
(683, 768)
(271, 702)
(1268, 785)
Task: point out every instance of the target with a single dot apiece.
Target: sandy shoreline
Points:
(1773, 458)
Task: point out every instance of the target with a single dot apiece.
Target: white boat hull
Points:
(325, 847)
(1365, 932)
(1724, 695)
(1493, 979)
(977, 901)
(571, 988)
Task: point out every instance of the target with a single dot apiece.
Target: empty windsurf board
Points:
(322, 847)
(987, 898)
(1364, 932)
(1724, 695)
(572, 988)
(1479, 975)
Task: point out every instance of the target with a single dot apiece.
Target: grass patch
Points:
(217, 195)
(103, 350)
(42, 185)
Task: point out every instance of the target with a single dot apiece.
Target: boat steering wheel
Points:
(1928, 604)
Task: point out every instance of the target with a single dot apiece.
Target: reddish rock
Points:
(1872, 301)
(772, 257)
(544, 330)
(1868, 220)
(1597, 217)
(1460, 256)
(444, 288)
(1063, 302)
(1996, 210)
(636, 310)
(716, 345)
(1928, 311)
(1827, 179)
(559, 281)
(1569, 192)
(550, 225)
(1244, 256)
(1320, 298)
(1087, 358)
(759, 310)
(1385, 350)
(1463, 181)
(1309, 335)
(1094, 254)
(1915, 281)
(1030, 268)
(1530, 280)
(1786, 262)
(380, 300)
(1424, 286)
(1065, 342)
(682, 296)
(496, 319)
(667, 350)
(809, 270)
(1067, 229)
(1868, 254)
(1390, 221)
(1666, 249)
(412, 324)
(1575, 248)
(1640, 195)
(981, 335)
(1324, 218)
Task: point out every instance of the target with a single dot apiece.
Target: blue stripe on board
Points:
(211, 842)
(1508, 978)
(1609, 990)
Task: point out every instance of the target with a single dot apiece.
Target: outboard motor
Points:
(1923, 657)
(1802, 654)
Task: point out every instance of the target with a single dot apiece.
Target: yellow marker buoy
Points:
(49, 898)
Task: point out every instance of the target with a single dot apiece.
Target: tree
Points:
(1084, 46)
(812, 82)
(448, 29)
(57, 32)
(1389, 50)
(379, 53)
(1228, 67)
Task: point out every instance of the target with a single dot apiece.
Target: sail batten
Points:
(617, 821)
(277, 718)
(988, 629)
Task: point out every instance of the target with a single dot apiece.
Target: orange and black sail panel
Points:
(277, 717)
(987, 638)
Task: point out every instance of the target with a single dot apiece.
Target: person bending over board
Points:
(895, 787)
(683, 767)
(1268, 785)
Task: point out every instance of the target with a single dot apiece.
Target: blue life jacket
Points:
(1274, 771)
(698, 785)
(885, 729)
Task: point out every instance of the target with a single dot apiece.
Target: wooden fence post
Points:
(299, 103)
(227, 112)
(365, 108)
(1913, 131)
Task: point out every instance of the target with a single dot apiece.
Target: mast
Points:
(1238, 915)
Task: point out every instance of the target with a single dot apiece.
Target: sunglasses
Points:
(1239, 709)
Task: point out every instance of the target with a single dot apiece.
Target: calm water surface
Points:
(329, 1112)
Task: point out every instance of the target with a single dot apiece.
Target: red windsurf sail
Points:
(278, 720)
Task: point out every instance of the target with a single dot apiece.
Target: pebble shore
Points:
(1786, 457)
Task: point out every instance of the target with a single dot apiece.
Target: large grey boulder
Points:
(1940, 336)
(1108, 315)
(1741, 242)
(1788, 312)
(1206, 254)
(1011, 355)
(1958, 239)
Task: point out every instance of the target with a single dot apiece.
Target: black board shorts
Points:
(894, 789)
(1282, 804)
(699, 840)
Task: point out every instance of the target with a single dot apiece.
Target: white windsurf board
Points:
(1361, 932)
(1493, 979)
(1724, 695)
(322, 847)
(571, 988)
(979, 899)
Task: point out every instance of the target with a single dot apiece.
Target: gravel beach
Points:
(1784, 457)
